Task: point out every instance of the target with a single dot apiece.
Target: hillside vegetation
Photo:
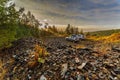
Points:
(112, 38)
(104, 32)
(15, 24)
(108, 36)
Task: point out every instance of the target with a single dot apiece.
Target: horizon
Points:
(91, 14)
(91, 28)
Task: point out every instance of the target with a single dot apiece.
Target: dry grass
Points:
(39, 56)
(113, 38)
(2, 71)
(107, 39)
(80, 46)
(102, 48)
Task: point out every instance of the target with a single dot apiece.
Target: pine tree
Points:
(67, 30)
(81, 32)
(55, 29)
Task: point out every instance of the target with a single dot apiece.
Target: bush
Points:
(7, 35)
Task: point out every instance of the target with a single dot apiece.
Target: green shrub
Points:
(7, 35)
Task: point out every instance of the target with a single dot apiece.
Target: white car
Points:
(81, 36)
(75, 38)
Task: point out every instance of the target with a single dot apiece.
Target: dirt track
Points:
(85, 43)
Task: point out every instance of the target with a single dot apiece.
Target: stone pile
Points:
(64, 63)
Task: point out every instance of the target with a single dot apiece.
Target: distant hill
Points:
(104, 32)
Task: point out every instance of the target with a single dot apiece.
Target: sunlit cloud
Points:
(76, 12)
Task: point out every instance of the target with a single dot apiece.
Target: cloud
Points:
(79, 12)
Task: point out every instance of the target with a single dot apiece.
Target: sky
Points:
(97, 14)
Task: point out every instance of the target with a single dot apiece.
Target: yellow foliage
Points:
(40, 53)
(41, 60)
(113, 38)
(39, 56)
(107, 39)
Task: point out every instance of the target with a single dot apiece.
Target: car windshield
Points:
(73, 35)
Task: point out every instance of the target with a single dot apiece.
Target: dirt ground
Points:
(82, 43)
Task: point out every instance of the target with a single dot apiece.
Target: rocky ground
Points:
(66, 61)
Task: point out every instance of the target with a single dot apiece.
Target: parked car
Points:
(75, 38)
(81, 36)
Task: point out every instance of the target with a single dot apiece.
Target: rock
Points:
(113, 78)
(101, 75)
(65, 62)
(43, 77)
(80, 77)
(29, 77)
(116, 49)
(77, 60)
(64, 69)
(82, 65)
(117, 71)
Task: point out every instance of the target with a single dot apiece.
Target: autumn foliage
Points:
(115, 37)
